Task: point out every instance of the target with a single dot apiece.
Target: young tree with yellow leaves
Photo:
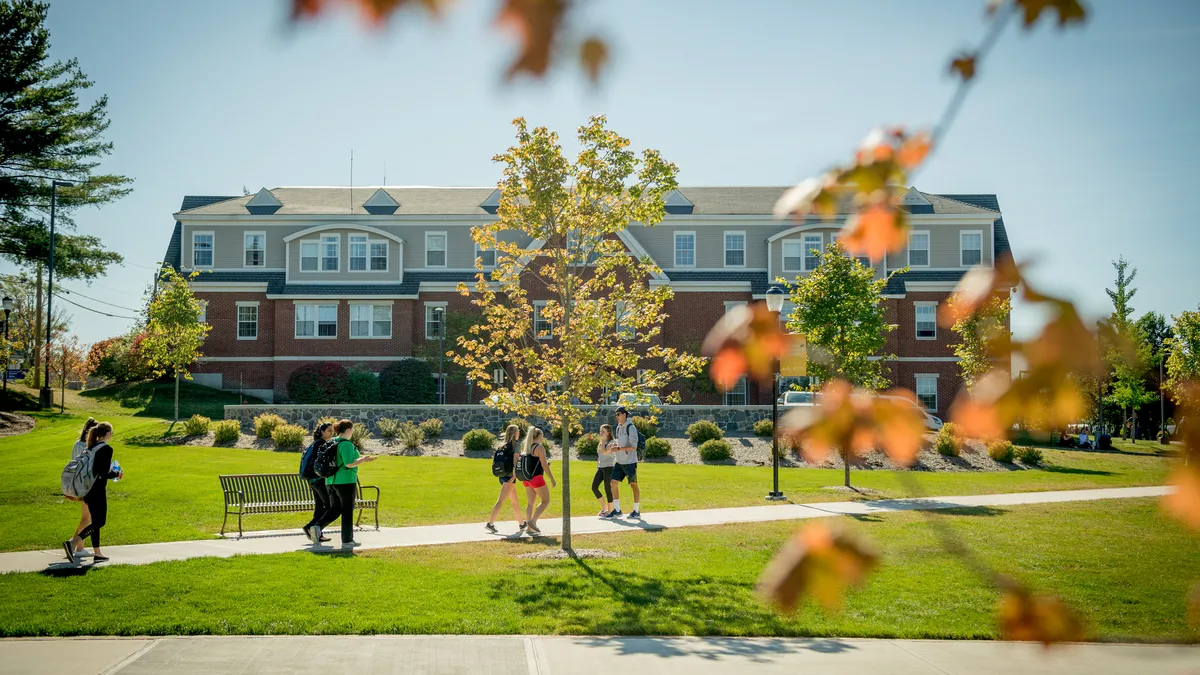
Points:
(174, 333)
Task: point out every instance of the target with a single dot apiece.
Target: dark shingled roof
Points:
(990, 202)
(277, 285)
(174, 247)
(759, 283)
(895, 285)
(196, 201)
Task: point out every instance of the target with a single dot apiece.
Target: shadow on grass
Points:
(1054, 468)
(155, 398)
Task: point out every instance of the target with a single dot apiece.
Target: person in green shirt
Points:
(343, 485)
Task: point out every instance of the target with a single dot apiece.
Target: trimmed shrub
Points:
(408, 382)
(411, 435)
(704, 430)
(432, 427)
(713, 450)
(657, 447)
(479, 440)
(196, 425)
(328, 419)
(1030, 456)
(265, 424)
(588, 445)
(226, 431)
(388, 428)
(555, 430)
(288, 437)
(316, 383)
(521, 422)
(362, 387)
(947, 441)
(1001, 451)
(764, 428)
(359, 435)
(647, 427)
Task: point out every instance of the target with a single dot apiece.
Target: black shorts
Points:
(504, 479)
(622, 471)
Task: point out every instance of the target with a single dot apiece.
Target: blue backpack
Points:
(308, 461)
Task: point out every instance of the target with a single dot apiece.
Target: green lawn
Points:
(1121, 564)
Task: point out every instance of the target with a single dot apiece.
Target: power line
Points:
(132, 318)
(70, 292)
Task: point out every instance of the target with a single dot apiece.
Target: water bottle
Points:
(116, 466)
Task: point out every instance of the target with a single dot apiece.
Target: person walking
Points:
(536, 485)
(80, 447)
(502, 461)
(322, 436)
(97, 497)
(626, 465)
(606, 457)
(343, 485)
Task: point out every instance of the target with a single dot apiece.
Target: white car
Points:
(792, 399)
(638, 400)
(932, 422)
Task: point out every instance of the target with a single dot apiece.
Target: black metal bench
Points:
(253, 493)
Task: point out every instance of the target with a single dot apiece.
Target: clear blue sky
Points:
(1089, 137)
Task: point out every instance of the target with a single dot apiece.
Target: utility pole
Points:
(46, 394)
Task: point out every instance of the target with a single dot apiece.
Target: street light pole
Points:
(8, 305)
(46, 395)
(441, 314)
(775, 297)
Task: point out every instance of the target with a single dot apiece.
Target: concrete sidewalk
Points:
(391, 537)
(518, 655)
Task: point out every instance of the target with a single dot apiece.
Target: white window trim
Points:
(917, 378)
(429, 306)
(237, 323)
(928, 248)
(213, 251)
(675, 248)
(725, 240)
(916, 318)
(745, 393)
(350, 242)
(317, 320)
(805, 248)
(371, 322)
(203, 318)
(538, 307)
(300, 268)
(784, 256)
(387, 255)
(246, 249)
(445, 249)
(961, 249)
(479, 254)
(321, 253)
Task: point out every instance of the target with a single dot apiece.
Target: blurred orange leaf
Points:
(1068, 11)
(374, 11)
(727, 367)
(819, 561)
(964, 66)
(1037, 618)
(977, 287)
(914, 150)
(593, 54)
(1184, 501)
(747, 340)
(856, 421)
(876, 232)
(535, 24)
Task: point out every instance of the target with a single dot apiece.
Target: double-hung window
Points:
(330, 252)
(735, 249)
(737, 395)
(863, 260)
(971, 248)
(256, 249)
(310, 256)
(685, 249)
(927, 391)
(433, 320)
(793, 256)
(623, 329)
(316, 321)
(202, 249)
(379, 256)
(543, 327)
(370, 321)
(812, 251)
(926, 313)
(247, 320)
(358, 253)
(487, 257)
(435, 249)
(918, 249)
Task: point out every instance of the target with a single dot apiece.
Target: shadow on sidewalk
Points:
(717, 648)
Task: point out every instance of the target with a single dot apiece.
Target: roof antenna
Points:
(351, 180)
(385, 173)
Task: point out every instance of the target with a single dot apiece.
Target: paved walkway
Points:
(517, 655)
(266, 542)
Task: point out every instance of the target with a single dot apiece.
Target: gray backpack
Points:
(78, 476)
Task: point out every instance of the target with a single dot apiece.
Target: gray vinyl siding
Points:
(944, 250)
(659, 241)
(343, 273)
(229, 244)
(826, 238)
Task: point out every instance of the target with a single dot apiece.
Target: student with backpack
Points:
(322, 435)
(532, 467)
(503, 470)
(342, 481)
(92, 473)
(629, 449)
(80, 447)
(606, 457)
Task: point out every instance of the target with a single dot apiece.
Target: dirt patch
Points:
(12, 424)
(580, 553)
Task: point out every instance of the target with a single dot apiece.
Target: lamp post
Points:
(775, 296)
(440, 312)
(8, 305)
(46, 396)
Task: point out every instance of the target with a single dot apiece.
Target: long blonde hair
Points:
(533, 432)
(606, 429)
(512, 433)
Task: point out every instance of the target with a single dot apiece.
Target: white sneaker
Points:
(350, 544)
(314, 533)
(83, 553)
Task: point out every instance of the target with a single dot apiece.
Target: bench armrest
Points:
(368, 487)
(241, 498)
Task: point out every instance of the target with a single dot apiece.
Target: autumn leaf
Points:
(964, 66)
(913, 150)
(535, 23)
(374, 11)
(976, 289)
(801, 199)
(1184, 501)
(819, 561)
(747, 340)
(876, 232)
(727, 367)
(899, 426)
(856, 420)
(593, 55)
(1068, 11)
(1027, 617)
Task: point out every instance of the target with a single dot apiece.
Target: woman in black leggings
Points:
(97, 497)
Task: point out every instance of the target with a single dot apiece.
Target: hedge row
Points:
(407, 382)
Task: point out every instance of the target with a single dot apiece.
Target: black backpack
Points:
(308, 461)
(526, 466)
(641, 444)
(502, 461)
(326, 463)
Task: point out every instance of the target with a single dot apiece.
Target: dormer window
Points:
(255, 249)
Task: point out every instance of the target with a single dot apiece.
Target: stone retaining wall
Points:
(461, 418)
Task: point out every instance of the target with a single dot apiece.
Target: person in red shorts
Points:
(533, 452)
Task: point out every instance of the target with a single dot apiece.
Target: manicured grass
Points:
(1120, 563)
(157, 399)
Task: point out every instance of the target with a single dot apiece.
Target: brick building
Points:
(295, 275)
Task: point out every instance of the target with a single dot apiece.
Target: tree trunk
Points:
(846, 464)
(566, 481)
(176, 397)
(37, 333)
(62, 402)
